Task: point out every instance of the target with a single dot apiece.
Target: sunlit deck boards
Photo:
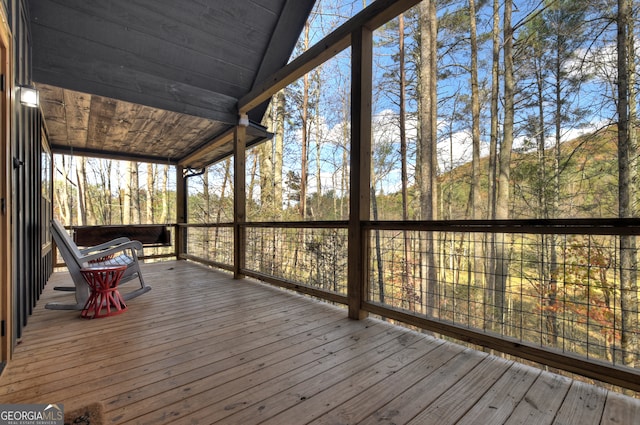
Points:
(201, 348)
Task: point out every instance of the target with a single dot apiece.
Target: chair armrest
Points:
(130, 245)
(105, 245)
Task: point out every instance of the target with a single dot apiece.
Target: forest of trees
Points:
(482, 110)
(90, 191)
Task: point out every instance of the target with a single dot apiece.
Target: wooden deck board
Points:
(618, 411)
(315, 400)
(261, 402)
(499, 402)
(202, 348)
(583, 404)
(459, 398)
(227, 378)
(356, 409)
(410, 402)
(536, 407)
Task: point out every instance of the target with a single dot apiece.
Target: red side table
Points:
(104, 300)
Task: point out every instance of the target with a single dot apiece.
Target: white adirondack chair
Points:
(121, 251)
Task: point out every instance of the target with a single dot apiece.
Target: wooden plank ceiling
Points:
(156, 80)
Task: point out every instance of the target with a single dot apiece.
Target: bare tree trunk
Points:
(344, 186)
(206, 216)
(150, 192)
(265, 153)
(135, 193)
(553, 252)
(305, 132)
(541, 136)
(252, 174)
(278, 152)
(109, 194)
(121, 195)
(81, 178)
(64, 203)
(433, 121)
(402, 113)
(126, 201)
(626, 164)
(407, 281)
(380, 269)
(475, 136)
(225, 180)
(318, 137)
(428, 148)
(549, 285)
(493, 148)
(502, 199)
(164, 184)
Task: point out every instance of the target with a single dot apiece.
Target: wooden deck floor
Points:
(201, 348)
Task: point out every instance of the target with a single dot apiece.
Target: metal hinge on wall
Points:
(2, 328)
(3, 206)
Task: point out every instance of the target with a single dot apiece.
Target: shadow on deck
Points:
(202, 348)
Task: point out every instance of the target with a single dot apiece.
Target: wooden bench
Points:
(148, 234)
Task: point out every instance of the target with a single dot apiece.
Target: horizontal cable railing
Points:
(560, 292)
(310, 257)
(210, 244)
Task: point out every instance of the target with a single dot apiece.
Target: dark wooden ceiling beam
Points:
(217, 148)
(198, 155)
(100, 153)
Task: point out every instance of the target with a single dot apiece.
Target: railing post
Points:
(181, 212)
(359, 199)
(239, 198)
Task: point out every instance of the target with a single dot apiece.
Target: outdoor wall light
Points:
(29, 96)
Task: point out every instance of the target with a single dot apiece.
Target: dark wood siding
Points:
(32, 265)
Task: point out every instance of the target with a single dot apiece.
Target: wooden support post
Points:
(181, 212)
(359, 199)
(239, 196)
